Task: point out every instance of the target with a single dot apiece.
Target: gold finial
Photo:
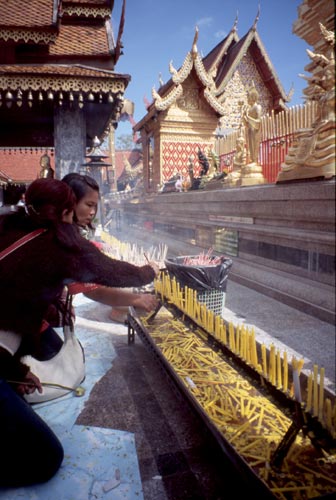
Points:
(257, 18)
(234, 27)
(194, 45)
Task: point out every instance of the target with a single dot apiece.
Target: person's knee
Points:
(50, 464)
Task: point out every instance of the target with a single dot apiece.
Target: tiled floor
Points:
(178, 457)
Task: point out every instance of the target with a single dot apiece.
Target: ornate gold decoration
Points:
(28, 36)
(205, 77)
(181, 75)
(56, 83)
(312, 154)
(87, 11)
(214, 102)
(189, 99)
(192, 59)
(168, 100)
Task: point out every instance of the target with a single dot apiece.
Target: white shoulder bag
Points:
(61, 374)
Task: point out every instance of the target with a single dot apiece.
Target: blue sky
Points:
(157, 32)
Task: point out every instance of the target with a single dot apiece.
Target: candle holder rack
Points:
(301, 420)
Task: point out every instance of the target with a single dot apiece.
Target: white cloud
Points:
(204, 21)
(220, 34)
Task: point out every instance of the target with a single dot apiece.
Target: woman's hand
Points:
(145, 301)
(29, 384)
(155, 267)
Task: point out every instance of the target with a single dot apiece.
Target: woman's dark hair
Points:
(81, 185)
(46, 200)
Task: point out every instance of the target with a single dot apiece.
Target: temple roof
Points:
(212, 60)
(22, 14)
(250, 42)
(215, 71)
(81, 40)
(58, 69)
(58, 52)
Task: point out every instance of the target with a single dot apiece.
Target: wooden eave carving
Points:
(27, 35)
(29, 22)
(97, 12)
(76, 85)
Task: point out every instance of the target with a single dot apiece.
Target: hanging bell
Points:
(80, 101)
(9, 96)
(110, 98)
(40, 97)
(19, 98)
(71, 97)
(50, 96)
(90, 97)
(60, 98)
(30, 98)
(100, 97)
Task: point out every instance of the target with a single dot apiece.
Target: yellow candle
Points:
(248, 346)
(315, 407)
(238, 340)
(223, 332)
(309, 392)
(272, 364)
(285, 372)
(279, 375)
(328, 414)
(244, 334)
(264, 359)
(217, 326)
(254, 346)
(321, 395)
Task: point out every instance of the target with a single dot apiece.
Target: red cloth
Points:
(98, 244)
(75, 288)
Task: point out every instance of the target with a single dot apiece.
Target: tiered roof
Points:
(215, 71)
(61, 52)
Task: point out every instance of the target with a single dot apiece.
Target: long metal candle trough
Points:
(300, 419)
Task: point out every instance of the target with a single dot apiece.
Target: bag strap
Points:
(19, 243)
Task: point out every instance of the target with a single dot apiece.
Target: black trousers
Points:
(30, 452)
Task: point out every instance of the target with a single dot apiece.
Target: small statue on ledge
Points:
(46, 171)
(239, 161)
(252, 120)
(251, 173)
(203, 161)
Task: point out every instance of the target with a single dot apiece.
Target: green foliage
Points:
(125, 142)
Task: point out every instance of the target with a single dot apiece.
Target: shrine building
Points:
(202, 98)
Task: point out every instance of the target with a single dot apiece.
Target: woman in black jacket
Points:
(31, 277)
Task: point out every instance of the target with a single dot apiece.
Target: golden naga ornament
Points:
(312, 154)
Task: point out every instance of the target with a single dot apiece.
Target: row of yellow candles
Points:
(227, 397)
(241, 341)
